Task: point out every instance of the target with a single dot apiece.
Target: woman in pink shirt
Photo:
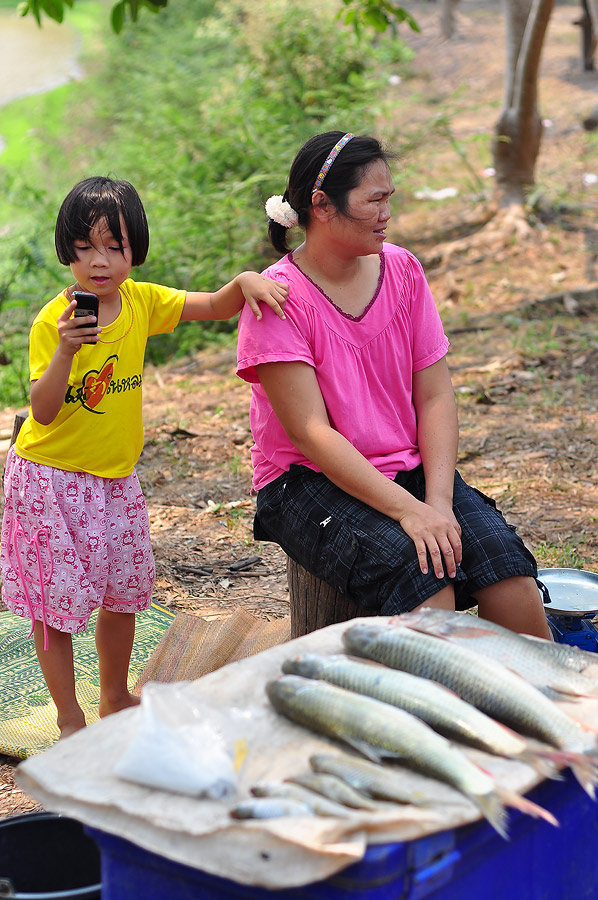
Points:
(353, 411)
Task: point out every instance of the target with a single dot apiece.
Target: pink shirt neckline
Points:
(329, 299)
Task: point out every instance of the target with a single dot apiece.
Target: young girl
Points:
(75, 533)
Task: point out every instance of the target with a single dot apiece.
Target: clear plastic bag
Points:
(179, 746)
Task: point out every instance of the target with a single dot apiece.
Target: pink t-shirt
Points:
(364, 364)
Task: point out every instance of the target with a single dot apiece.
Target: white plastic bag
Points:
(179, 746)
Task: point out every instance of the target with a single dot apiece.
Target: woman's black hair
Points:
(93, 200)
(344, 174)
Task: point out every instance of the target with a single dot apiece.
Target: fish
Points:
(334, 789)
(269, 808)
(566, 654)
(435, 704)
(317, 804)
(486, 684)
(382, 782)
(525, 657)
(377, 730)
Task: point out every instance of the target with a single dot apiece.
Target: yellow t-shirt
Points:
(99, 428)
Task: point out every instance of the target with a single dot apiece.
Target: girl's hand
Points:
(436, 535)
(259, 289)
(70, 337)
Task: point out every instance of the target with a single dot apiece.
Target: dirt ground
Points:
(521, 316)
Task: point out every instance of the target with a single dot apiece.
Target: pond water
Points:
(34, 59)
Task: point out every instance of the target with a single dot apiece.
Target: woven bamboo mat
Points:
(194, 646)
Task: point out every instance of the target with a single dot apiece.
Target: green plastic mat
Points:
(27, 713)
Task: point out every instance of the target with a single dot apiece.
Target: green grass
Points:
(565, 554)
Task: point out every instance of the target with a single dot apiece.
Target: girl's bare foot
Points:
(70, 729)
(106, 707)
(69, 725)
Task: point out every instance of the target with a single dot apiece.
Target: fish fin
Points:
(543, 762)
(586, 726)
(553, 693)
(374, 754)
(518, 801)
(492, 807)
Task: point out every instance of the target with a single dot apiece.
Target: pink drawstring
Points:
(17, 530)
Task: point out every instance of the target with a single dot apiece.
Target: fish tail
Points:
(492, 807)
(583, 766)
(585, 770)
(518, 801)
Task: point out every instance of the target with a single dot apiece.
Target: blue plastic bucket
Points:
(44, 856)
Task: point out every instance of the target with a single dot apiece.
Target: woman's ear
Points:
(323, 208)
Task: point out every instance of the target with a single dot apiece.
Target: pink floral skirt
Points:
(73, 542)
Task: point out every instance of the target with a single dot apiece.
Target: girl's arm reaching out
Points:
(247, 287)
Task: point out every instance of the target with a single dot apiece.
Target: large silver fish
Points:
(378, 730)
(486, 684)
(441, 708)
(528, 658)
(567, 655)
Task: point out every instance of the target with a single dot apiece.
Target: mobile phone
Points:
(87, 305)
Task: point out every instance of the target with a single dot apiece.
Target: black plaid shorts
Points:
(367, 555)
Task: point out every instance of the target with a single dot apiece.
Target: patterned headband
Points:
(329, 160)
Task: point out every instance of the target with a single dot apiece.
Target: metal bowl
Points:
(573, 592)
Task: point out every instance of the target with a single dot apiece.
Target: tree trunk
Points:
(519, 127)
(588, 40)
(18, 421)
(314, 604)
(447, 18)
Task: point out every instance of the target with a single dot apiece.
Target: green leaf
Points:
(377, 19)
(54, 9)
(117, 17)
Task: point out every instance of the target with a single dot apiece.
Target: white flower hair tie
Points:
(281, 211)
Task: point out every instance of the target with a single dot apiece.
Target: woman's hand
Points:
(259, 289)
(436, 534)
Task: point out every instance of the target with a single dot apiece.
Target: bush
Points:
(203, 108)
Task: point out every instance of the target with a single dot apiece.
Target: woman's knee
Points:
(515, 603)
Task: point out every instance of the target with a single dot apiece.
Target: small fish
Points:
(486, 684)
(334, 789)
(394, 785)
(269, 808)
(318, 805)
(525, 657)
(378, 730)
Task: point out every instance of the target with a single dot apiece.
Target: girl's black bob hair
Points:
(344, 174)
(93, 200)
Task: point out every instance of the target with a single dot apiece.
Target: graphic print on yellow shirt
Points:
(99, 427)
(95, 386)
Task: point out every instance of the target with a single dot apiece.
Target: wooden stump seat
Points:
(314, 604)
